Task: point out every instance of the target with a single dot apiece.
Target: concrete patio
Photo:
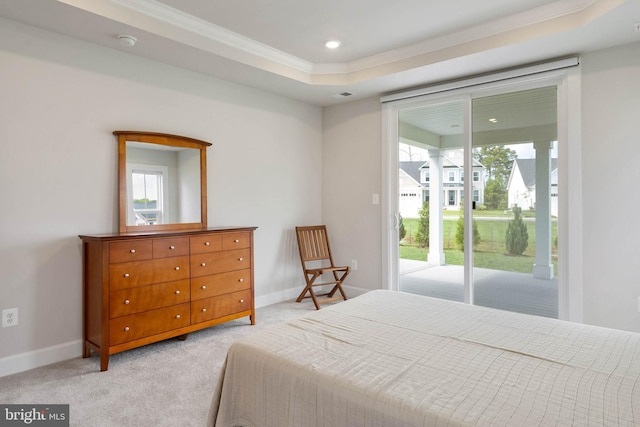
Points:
(503, 290)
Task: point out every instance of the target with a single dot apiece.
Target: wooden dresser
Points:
(146, 287)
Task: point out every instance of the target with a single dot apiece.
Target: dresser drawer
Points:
(129, 328)
(169, 247)
(223, 305)
(130, 250)
(218, 284)
(205, 243)
(220, 262)
(236, 240)
(141, 273)
(135, 300)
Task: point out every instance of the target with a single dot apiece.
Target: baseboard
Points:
(292, 293)
(276, 297)
(45, 356)
(57, 353)
(353, 291)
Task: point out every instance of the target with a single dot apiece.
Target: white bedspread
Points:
(391, 359)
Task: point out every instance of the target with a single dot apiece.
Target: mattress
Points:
(392, 359)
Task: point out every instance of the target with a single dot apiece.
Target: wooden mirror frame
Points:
(161, 139)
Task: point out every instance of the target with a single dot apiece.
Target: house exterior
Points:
(521, 187)
(415, 181)
(412, 193)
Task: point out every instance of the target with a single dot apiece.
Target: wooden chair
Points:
(315, 256)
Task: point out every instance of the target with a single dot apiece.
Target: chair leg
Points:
(309, 288)
(338, 286)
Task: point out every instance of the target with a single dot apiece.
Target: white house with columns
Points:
(415, 183)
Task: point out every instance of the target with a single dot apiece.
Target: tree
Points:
(495, 194)
(422, 234)
(460, 230)
(412, 153)
(517, 236)
(497, 160)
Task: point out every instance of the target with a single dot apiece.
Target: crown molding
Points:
(174, 24)
(208, 30)
(516, 22)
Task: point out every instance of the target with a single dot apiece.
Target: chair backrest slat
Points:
(313, 243)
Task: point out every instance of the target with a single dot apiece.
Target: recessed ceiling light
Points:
(333, 44)
(493, 120)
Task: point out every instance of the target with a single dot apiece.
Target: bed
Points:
(391, 359)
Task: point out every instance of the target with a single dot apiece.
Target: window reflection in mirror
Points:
(163, 184)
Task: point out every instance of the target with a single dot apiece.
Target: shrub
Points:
(422, 234)
(460, 231)
(517, 236)
(402, 231)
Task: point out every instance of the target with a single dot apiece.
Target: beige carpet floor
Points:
(169, 383)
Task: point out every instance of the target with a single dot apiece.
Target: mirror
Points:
(162, 181)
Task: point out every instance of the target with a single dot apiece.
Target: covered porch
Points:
(519, 292)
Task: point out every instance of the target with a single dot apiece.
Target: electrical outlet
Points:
(9, 317)
(354, 264)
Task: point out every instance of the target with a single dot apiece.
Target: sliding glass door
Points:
(431, 198)
(478, 199)
(515, 191)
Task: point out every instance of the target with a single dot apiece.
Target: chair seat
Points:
(326, 269)
(313, 245)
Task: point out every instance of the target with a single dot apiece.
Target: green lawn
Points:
(489, 253)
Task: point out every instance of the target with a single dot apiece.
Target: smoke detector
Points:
(126, 40)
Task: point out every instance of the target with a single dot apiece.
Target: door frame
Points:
(567, 80)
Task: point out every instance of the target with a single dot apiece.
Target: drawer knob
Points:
(236, 241)
(126, 274)
(204, 310)
(177, 292)
(177, 268)
(177, 316)
(240, 259)
(241, 300)
(126, 302)
(203, 264)
(126, 329)
(206, 243)
(240, 280)
(172, 247)
(203, 287)
(133, 251)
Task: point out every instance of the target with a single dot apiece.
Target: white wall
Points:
(351, 174)
(611, 159)
(60, 99)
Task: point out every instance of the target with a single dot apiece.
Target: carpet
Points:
(169, 383)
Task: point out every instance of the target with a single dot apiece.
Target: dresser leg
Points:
(104, 361)
(182, 337)
(86, 351)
